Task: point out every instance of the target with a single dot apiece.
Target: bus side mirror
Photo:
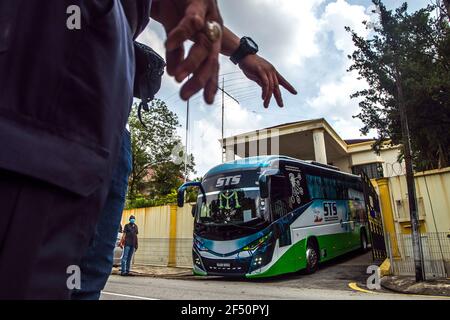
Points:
(180, 198)
(182, 189)
(264, 186)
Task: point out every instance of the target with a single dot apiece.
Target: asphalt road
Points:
(330, 282)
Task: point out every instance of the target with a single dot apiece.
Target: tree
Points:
(444, 7)
(168, 176)
(157, 151)
(416, 48)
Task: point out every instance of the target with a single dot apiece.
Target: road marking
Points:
(355, 287)
(127, 296)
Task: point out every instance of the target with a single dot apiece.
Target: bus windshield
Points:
(231, 206)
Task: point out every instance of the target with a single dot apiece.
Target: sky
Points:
(307, 43)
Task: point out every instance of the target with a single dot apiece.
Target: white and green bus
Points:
(266, 216)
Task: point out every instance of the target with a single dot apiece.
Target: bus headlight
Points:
(257, 243)
(258, 261)
(261, 258)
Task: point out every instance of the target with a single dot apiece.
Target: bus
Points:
(266, 216)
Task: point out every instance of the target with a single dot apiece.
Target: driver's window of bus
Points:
(233, 199)
(279, 196)
(231, 206)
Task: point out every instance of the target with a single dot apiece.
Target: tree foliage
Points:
(413, 48)
(158, 157)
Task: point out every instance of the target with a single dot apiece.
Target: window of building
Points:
(372, 170)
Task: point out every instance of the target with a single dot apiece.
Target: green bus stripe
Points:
(294, 259)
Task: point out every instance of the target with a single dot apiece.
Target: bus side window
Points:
(341, 195)
(315, 187)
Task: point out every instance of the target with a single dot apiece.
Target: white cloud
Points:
(284, 29)
(307, 42)
(302, 44)
(332, 100)
(341, 14)
(207, 131)
(333, 97)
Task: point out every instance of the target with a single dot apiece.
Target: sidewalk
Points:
(408, 285)
(155, 271)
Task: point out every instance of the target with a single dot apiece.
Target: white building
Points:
(316, 140)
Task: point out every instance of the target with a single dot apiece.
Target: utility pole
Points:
(187, 139)
(223, 108)
(415, 225)
(223, 115)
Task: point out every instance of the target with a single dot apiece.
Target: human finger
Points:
(283, 82)
(276, 91)
(192, 22)
(197, 55)
(211, 87)
(264, 83)
(200, 78)
(174, 59)
(270, 91)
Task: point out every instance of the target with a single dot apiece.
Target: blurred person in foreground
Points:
(98, 261)
(61, 138)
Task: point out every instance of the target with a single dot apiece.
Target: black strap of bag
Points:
(149, 71)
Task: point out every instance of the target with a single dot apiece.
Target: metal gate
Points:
(436, 255)
(375, 219)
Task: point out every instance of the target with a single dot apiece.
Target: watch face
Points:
(252, 44)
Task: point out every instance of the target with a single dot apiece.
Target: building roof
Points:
(355, 141)
(305, 123)
(294, 123)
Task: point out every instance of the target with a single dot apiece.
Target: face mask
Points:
(132, 220)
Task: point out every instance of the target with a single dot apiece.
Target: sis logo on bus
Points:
(228, 181)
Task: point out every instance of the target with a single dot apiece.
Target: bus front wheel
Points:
(312, 257)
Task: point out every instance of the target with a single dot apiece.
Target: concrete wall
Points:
(165, 235)
(391, 166)
(433, 196)
(343, 164)
(152, 222)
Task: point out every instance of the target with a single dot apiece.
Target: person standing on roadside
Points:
(130, 245)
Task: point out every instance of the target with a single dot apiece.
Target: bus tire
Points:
(312, 257)
(363, 240)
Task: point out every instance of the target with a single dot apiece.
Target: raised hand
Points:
(187, 20)
(264, 73)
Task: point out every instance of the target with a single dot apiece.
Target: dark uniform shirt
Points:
(138, 14)
(131, 232)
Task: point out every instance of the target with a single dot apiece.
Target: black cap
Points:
(132, 217)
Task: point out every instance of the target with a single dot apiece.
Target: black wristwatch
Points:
(247, 46)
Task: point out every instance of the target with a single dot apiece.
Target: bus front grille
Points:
(226, 266)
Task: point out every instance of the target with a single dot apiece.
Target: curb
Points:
(184, 274)
(395, 289)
